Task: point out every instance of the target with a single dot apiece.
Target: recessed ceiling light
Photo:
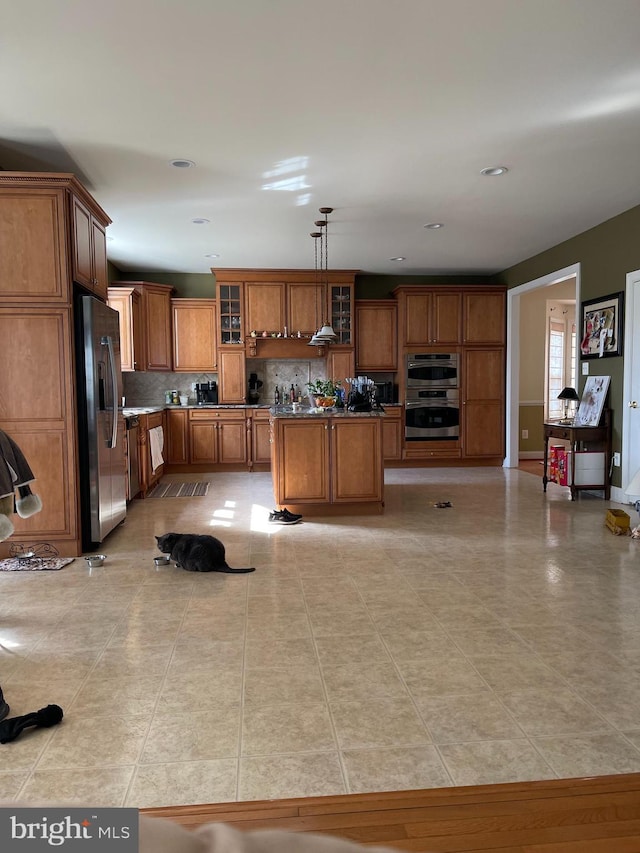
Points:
(398, 259)
(182, 164)
(200, 221)
(433, 226)
(212, 255)
(494, 171)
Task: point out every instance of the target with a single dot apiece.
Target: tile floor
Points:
(497, 640)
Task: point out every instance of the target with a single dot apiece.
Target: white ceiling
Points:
(386, 110)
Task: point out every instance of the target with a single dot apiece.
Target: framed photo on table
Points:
(602, 326)
(592, 402)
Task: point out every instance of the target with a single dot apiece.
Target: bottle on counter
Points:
(292, 394)
(277, 396)
(298, 394)
(168, 397)
(175, 397)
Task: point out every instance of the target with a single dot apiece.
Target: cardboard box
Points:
(617, 521)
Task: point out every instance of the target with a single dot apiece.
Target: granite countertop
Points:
(306, 412)
(128, 411)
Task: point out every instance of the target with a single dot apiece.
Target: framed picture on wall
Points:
(602, 326)
(592, 402)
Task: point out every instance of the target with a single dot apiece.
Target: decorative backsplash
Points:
(144, 388)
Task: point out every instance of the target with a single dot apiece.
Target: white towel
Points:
(156, 444)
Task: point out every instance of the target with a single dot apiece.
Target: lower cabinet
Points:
(327, 460)
(260, 438)
(149, 477)
(217, 436)
(392, 433)
(177, 437)
(482, 420)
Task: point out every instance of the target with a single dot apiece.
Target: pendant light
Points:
(325, 334)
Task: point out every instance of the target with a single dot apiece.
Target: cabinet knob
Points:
(633, 404)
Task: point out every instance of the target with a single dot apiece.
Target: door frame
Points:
(512, 396)
(633, 281)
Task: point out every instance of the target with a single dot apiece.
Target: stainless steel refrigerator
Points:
(101, 425)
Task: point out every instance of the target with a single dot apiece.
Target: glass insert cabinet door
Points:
(229, 302)
(341, 312)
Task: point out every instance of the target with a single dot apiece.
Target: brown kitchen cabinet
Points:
(306, 307)
(232, 380)
(482, 410)
(260, 437)
(194, 324)
(265, 306)
(341, 364)
(148, 477)
(322, 462)
(484, 314)
(34, 263)
(429, 316)
(89, 249)
(177, 437)
(155, 314)
(229, 298)
(217, 436)
(392, 433)
(376, 335)
(128, 303)
(37, 380)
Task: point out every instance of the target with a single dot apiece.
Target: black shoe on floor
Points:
(278, 517)
(4, 708)
(288, 514)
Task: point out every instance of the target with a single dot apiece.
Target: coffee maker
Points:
(206, 392)
(255, 385)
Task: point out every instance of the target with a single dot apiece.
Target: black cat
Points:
(196, 553)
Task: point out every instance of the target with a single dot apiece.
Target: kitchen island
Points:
(328, 462)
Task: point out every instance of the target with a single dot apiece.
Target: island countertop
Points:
(306, 412)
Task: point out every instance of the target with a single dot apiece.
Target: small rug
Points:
(36, 564)
(179, 490)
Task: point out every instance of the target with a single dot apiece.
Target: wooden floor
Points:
(592, 815)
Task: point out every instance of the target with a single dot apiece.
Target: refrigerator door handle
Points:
(108, 342)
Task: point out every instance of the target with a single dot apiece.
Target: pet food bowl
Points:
(162, 560)
(95, 560)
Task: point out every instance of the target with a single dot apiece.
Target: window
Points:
(556, 379)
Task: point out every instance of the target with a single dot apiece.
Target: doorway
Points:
(631, 385)
(513, 353)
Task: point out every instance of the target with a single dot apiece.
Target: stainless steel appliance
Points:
(101, 426)
(133, 464)
(206, 392)
(432, 370)
(386, 392)
(432, 414)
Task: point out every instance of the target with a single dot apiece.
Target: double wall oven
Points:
(432, 404)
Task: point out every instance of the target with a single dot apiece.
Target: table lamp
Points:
(568, 396)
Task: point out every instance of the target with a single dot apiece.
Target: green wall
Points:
(606, 254)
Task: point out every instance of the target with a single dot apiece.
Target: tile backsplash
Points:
(143, 388)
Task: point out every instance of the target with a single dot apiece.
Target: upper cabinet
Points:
(484, 317)
(255, 305)
(52, 233)
(265, 306)
(128, 303)
(376, 335)
(194, 335)
(155, 320)
(89, 247)
(429, 316)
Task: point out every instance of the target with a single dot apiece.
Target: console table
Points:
(579, 437)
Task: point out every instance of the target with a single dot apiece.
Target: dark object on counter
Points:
(206, 392)
(255, 385)
(443, 504)
(358, 402)
(42, 719)
(386, 392)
